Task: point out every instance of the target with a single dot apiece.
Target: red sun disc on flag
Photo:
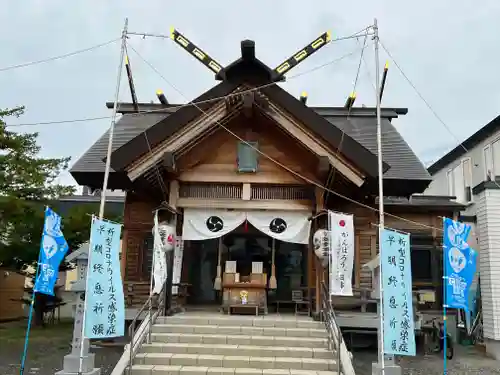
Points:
(342, 223)
(170, 238)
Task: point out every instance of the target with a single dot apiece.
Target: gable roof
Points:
(352, 150)
(492, 127)
(404, 164)
(361, 126)
(165, 127)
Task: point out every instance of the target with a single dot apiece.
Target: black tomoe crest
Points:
(214, 224)
(277, 225)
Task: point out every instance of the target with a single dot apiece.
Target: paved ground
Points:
(46, 349)
(467, 360)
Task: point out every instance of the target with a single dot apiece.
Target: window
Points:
(422, 263)
(488, 163)
(460, 181)
(451, 187)
(495, 150)
(247, 160)
(467, 171)
(147, 255)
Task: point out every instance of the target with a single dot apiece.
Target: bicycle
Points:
(437, 339)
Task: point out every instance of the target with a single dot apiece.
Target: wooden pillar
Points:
(318, 277)
(437, 260)
(319, 271)
(123, 245)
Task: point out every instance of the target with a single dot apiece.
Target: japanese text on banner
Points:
(104, 301)
(53, 248)
(399, 326)
(459, 264)
(342, 253)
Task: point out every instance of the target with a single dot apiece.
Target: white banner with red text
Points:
(341, 260)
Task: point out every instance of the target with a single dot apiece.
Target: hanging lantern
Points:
(321, 243)
(167, 234)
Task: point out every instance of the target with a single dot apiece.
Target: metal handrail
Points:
(335, 337)
(135, 343)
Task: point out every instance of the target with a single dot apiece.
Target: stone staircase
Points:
(198, 344)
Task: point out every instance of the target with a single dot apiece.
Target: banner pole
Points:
(82, 339)
(153, 262)
(445, 280)
(30, 317)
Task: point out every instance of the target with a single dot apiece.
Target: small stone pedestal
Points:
(71, 362)
(390, 369)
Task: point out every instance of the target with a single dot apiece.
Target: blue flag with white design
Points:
(53, 248)
(459, 264)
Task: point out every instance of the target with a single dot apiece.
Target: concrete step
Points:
(211, 360)
(201, 370)
(200, 338)
(239, 330)
(238, 350)
(276, 321)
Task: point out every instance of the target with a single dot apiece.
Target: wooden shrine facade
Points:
(251, 145)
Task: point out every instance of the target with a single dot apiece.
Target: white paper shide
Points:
(342, 254)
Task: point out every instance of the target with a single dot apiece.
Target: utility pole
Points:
(385, 365)
(80, 361)
(113, 121)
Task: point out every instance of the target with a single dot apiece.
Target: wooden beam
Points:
(312, 143)
(144, 186)
(323, 165)
(195, 129)
(168, 162)
(173, 193)
(248, 101)
(240, 204)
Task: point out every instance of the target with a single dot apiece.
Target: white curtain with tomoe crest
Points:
(200, 224)
(341, 260)
(286, 226)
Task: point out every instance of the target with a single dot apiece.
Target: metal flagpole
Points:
(113, 121)
(381, 196)
(445, 281)
(106, 177)
(155, 238)
(32, 307)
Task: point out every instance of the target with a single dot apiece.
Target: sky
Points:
(446, 48)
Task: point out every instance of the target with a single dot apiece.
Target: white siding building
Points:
(471, 173)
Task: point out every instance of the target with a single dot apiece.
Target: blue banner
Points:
(53, 248)
(459, 264)
(104, 301)
(399, 326)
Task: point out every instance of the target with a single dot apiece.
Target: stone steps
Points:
(200, 338)
(237, 350)
(197, 370)
(239, 330)
(202, 344)
(211, 360)
(242, 321)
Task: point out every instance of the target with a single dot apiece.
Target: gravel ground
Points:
(467, 360)
(47, 347)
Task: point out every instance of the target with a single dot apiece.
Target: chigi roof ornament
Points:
(248, 55)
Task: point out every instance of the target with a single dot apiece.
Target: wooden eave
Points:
(222, 112)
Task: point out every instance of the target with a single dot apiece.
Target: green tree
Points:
(27, 185)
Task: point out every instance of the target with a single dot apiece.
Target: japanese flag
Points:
(342, 253)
